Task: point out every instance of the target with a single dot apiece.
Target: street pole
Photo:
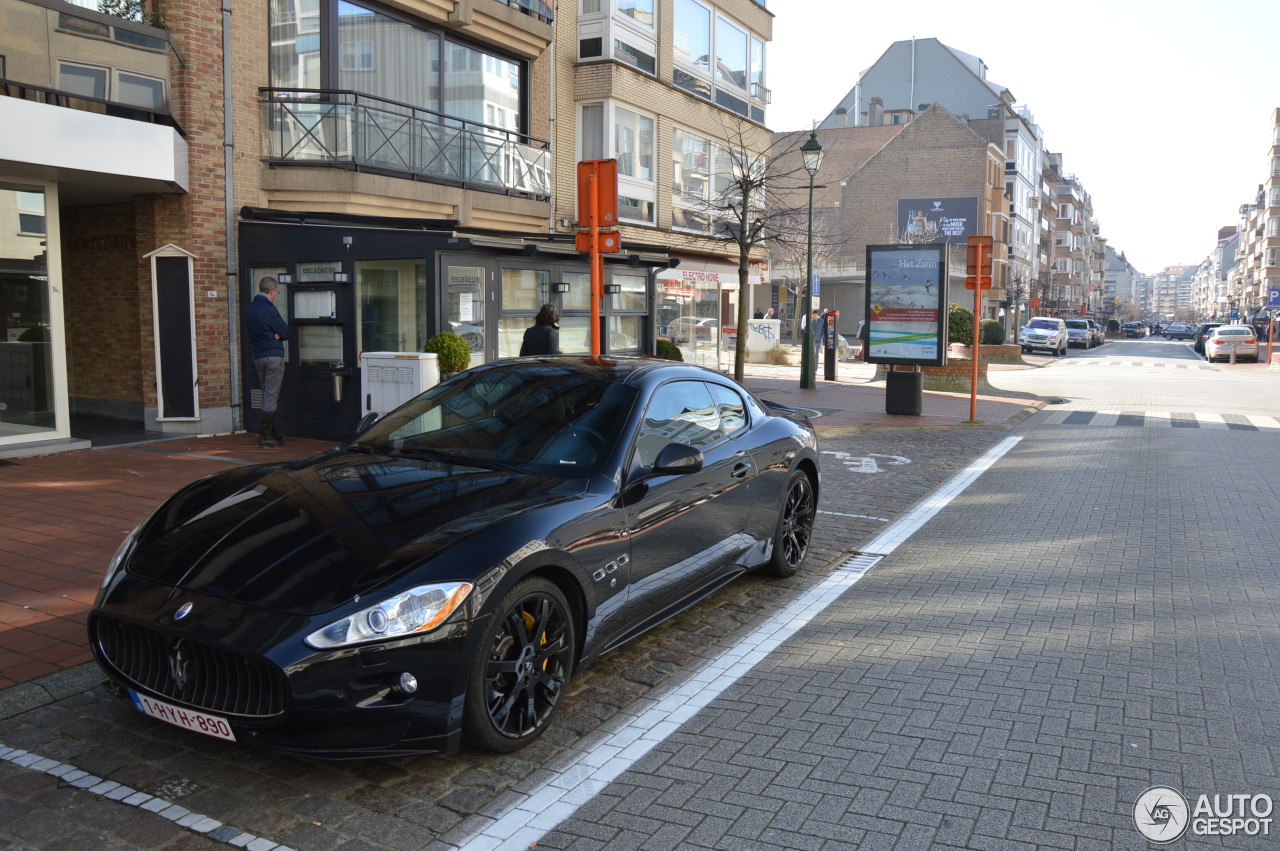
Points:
(807, 377)
(811, 153)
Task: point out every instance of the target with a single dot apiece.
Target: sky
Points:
(1162, 110)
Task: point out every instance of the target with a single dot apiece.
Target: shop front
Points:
(347, 289)
(696, 308)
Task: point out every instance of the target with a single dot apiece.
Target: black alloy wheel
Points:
(795, 528)
(522, 668)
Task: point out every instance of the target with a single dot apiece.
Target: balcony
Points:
(347, 129)
(92, 95)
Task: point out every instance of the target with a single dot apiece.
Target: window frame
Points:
(638, 189)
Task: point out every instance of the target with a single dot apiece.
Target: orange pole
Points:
(597, 266)
(973, 381)
(1271, 335)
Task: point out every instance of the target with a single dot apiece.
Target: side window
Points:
(679, 412)
(733, 415)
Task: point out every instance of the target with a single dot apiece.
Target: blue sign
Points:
(1273, 298)
(1235, 313)
(816, 285)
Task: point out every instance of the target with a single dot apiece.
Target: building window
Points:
(692, 35)
(633, 146)
(30, 213)
(83, 80)
(731, 54)
(637, 11)
(389, 57)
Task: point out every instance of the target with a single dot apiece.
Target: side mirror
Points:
(365, 422)
(677, 459)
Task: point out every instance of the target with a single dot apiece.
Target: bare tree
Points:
(751, 203)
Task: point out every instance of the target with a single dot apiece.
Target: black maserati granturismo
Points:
(443, 575)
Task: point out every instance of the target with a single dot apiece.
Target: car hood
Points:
(305, 537)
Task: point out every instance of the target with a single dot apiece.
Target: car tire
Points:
(521, 669)
(795, 528)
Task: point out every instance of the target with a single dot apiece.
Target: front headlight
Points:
(416, 610)
(121, 553)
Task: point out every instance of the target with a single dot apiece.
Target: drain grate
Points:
(860, 563)
(1057, 401)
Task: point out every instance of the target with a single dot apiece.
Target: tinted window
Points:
(733, 415)
(679, 412)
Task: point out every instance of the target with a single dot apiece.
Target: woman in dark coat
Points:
(543, 337)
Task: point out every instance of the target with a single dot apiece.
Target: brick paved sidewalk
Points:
(63, 516)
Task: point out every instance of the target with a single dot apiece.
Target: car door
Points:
(688, 531)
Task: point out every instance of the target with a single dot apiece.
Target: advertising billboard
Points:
(907, 304)
(925, 220)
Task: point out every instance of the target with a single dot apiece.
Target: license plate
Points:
(187, 719)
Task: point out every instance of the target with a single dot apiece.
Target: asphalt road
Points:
(1005, 659)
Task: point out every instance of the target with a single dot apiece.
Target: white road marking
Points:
(589, 766)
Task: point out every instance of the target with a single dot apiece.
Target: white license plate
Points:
(187, 719)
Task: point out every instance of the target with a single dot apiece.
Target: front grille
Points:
(191, 673)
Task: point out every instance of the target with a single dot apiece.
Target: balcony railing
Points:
(354, 130)
(538, 8)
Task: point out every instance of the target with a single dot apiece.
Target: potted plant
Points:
(452, 352)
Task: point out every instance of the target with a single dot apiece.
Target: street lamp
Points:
(811, 151)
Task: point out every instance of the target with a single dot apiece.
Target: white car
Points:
(699, 328)
(1044, 332)
(1226, 339)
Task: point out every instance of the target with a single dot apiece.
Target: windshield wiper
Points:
(452, 458)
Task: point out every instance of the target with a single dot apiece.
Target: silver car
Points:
(1044, 332)
(1079, 333)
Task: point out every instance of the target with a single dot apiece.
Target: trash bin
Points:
(904, 393)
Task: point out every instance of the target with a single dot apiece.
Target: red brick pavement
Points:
(63, 516)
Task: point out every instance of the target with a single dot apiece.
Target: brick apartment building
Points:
(401, 168)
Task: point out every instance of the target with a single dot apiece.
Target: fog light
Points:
(408, 683)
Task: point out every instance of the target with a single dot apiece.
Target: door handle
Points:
(741, 469)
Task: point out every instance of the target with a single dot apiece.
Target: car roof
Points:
(627, 370)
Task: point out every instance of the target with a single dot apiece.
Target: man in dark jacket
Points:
(267, 331)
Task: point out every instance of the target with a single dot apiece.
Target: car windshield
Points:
(1050, 324)
(1233, 332)
(536, 419)
(1078, 323)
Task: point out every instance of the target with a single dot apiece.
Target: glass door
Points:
(465, 298)
(28, 383)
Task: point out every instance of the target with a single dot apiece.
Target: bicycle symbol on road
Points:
(867, 463)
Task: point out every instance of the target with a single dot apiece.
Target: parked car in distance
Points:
(684, 328)
(1180, 332)
(1079, 333)
(1202, 334)
(1044, 332)
(444, 575)
(1135, 329)
(1224, 340)
(1099, 332)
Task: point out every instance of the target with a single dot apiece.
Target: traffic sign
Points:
(1273, 298)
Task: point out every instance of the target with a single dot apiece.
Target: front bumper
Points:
(338, 704)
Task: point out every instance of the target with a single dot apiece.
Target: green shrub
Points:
(991, 332)
(668, 350)
(959, 324)
(452, 351)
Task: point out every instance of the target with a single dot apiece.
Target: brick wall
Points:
(100, 282)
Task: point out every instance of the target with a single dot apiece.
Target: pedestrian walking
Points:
(543, 336)
(267, 332)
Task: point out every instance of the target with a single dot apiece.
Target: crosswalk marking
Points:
(1092, 362)
(1165, 419)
